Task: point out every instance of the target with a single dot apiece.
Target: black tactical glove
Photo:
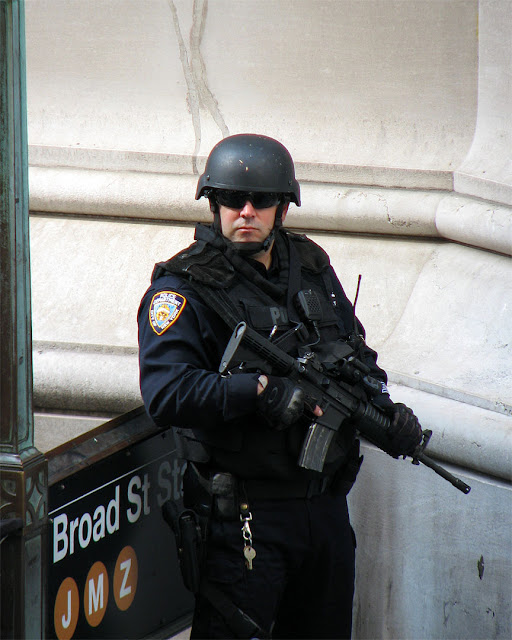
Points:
(404, 433)
(281, 402)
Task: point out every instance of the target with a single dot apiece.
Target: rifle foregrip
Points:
(373, 424)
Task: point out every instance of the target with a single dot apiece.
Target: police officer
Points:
(279, 549)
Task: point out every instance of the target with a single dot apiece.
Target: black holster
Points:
(190, 530)
(189, 543)
(205, 495)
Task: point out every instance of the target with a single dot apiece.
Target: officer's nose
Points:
(248, 210)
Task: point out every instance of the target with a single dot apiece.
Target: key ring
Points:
(246, 529)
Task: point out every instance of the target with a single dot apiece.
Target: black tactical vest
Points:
(252, 449)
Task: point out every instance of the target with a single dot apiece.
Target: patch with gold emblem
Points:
(165, 309)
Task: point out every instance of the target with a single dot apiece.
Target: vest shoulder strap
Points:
(200, 262)
(311, 255)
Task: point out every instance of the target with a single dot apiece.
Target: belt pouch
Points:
(225, 497)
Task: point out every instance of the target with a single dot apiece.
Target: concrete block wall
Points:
(398, 116)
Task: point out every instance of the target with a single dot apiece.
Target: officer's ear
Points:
(285, 211)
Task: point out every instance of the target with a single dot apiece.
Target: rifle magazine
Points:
(315, 447)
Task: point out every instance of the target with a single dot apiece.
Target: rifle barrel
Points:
(456, 482)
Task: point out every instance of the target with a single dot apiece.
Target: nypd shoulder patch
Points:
(165, 309)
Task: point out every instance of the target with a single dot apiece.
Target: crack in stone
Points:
(199, 68)
(194, 70)
(192, 95)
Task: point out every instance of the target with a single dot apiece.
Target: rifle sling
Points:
(220, 302)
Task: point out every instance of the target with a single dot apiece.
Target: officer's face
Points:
(248, 224)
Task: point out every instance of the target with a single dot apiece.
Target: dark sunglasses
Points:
(237, 199)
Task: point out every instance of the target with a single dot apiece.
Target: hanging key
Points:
(249, 554)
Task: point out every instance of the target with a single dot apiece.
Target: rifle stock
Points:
(338, 400)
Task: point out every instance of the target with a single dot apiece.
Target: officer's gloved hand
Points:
(281, 402)
(405, 432)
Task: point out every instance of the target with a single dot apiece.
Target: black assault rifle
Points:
(340, 400)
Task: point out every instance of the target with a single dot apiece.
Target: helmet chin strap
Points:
(253, 248)
(249, 248)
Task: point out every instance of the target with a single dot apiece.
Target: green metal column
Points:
(23, 469)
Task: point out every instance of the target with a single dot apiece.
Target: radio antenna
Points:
(357, 293)
(358, 337)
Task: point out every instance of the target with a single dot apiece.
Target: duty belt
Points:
(224, 483)
(282, 490)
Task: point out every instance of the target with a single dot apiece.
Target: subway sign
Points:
(113, 570)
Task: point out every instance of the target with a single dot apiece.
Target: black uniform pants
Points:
(302, 581)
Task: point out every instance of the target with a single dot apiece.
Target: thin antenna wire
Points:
(358, 338)
(357, 292)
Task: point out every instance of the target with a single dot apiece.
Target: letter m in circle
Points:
(95, 594)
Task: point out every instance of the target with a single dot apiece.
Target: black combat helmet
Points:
(250, 162)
